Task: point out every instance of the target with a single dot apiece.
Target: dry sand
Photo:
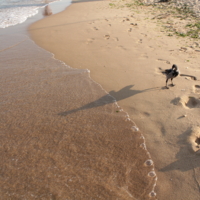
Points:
(126, 51)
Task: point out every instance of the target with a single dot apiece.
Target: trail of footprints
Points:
(125, 19)
(128, 21)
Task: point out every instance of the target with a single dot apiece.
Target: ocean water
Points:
(62, 135)
(13, 12)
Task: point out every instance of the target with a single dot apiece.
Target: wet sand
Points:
(126, 50)
(62, 135)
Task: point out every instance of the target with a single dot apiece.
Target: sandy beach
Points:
(126, 47)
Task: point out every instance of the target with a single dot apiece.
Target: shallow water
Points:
(62, 135)
(13, 12)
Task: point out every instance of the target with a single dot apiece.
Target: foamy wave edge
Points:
(15, 16)
(18, 15)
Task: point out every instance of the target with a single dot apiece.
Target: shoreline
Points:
(119, 74)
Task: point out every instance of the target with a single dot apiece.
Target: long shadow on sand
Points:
(186, 158)
(113, 96)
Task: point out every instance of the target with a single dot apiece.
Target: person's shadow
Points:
(109, 98)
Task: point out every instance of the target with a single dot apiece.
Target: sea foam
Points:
(17, 15)
(13, 12)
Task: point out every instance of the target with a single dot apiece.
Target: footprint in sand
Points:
(196, 89)
(162, 60)
(107, 37)
(126, 19)
(144, 34)
(189, 78)
(116, 39)
(159, 70)
(143, 56)
(194, 138)
(95, 28)
(121, 47)
(144, 115)
(150, 47)
(133, 24)
(90, 40)
(139, 41)
(91, 22)
(187, 102)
